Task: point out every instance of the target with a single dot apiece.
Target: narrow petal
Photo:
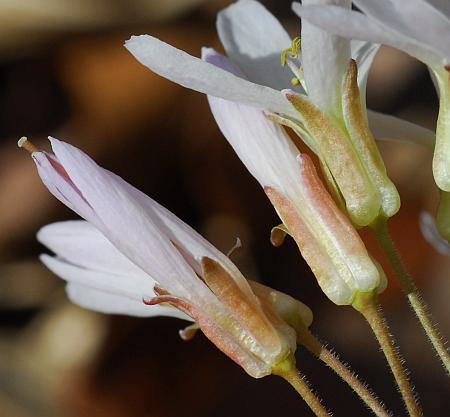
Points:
(135, 231)
(355, 25)
(386, 127)
(254, 39)
(193, 243)
(103, 281)
(325, 59)
(410, 18)
(110, 303)
(80, 243)
(262, 145)
(194, 73)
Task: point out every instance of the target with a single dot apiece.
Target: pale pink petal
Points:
(111, 205)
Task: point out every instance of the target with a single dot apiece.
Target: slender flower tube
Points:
(420, 28)
(133, 256)
(326, 239)
(254, 41)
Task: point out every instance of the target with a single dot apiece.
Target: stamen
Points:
(293, 51)
(291, 58)
(24, 143)
(236, 246)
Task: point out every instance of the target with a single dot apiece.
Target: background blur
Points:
(64, 72)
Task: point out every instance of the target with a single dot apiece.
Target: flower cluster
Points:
(132, 256)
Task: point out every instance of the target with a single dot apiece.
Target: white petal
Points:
(355, 25)
(386, 127)
(109, 303)
(102, 281)
(80, 243)
(135, 231)
(263, 146)
(432, 235)
(414, 18)
(254, 40)
(192, 72)
(325, 60)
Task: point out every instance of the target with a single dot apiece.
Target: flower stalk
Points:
(288, 372)
(415, 300)
(369, 307)
(310, 342)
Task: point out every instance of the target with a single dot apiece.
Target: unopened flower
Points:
(327, 240)
(254, 41)
(134, 251)
(420, 28)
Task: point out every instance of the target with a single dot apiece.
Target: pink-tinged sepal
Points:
(327, 240)
(261, 336)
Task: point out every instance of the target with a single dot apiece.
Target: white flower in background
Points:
(328, 242)
(134, 251)
(254, 41)
(418, 27)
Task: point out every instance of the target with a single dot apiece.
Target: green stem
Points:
(307, 339)
(415, 300)
(372, 312)
(299, 383)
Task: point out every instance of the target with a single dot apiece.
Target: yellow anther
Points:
(295, 81)
(293, 50)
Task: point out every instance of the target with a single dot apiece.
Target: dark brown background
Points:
(64, 72)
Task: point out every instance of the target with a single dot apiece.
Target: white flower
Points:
(254, 41)
(418, 27)
(134, 250)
